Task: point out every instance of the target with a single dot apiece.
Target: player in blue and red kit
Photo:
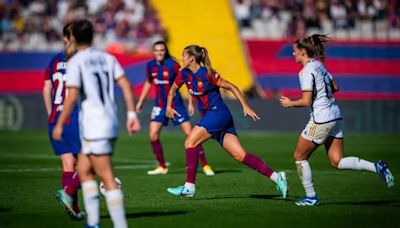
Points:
(54, 93)
(161, 71)
(216, 121)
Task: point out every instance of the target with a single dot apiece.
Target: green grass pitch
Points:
(236, 197)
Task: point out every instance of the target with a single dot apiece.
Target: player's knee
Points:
(68, 164)
(335, 162)
(153, 136)
(238, 156)
(298, 156)
(189, 143)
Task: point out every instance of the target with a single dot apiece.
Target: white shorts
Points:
(98, 147)
(319, 133)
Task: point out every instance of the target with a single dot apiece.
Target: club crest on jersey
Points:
(154, 74)
(165, 74)
(200, 84)
(61, 65)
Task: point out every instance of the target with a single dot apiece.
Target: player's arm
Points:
(236, 92)
(47, 87)
(190, 105)
(170, 112)
(132, 122)
(335, 86)
(304, 101)
(68, 106)
(143, 95)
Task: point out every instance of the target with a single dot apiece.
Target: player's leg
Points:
(154, 135)
(90, 190)
(232, 145)
(70, 181)
(114, 197)
(301, 154)
(334, 148)
(197, 136)
(186, 128)
(67, 196)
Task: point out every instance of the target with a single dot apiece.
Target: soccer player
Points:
(216, 121)
(161, 71)
(92, 75)
(325, 124)
(54, 94)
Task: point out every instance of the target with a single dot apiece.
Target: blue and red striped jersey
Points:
(162, 75)
(203, 88)
(55, 72)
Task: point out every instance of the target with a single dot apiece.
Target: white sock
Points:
(304, 170)
(274, 177)
(189, 186)
(115, 205)
(90, 194)
(356, 164)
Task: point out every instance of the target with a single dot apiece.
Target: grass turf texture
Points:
(237, 196)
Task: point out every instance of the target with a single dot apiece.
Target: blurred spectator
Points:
(318, 16)
(36, 25)
(338, 14)
(241, 9)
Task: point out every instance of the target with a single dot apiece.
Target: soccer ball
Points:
(103, 189)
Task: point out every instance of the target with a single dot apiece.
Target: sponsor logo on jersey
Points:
(195, 93)
(161, 82)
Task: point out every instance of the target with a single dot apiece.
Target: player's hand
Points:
(139, 106)
(132, 126)
(170, 113)
(247, 111)
(57, 132)
(285, 101)
(190, 109)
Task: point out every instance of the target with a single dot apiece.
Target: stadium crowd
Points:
(341, 18)
(121, 25)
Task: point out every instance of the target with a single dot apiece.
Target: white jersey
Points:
(315, 78)
(94, 72)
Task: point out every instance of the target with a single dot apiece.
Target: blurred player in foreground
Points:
(54, 94)
(162, 71)
(92, 75)
(325, 125)
(216, 120)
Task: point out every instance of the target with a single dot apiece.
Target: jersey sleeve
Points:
(73, 74)
(306, 80)
(176, 68)
(179, 79)
(47, 74)
(117, 69)
(215, 79)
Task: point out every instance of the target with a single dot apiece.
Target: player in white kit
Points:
(325, 124)
(92, 74)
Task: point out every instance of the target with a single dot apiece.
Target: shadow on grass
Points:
(228, 171)
(273, 197)
(151, 214)
(390, 203)
(219, 171)
(2, 209)
(264, 197)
